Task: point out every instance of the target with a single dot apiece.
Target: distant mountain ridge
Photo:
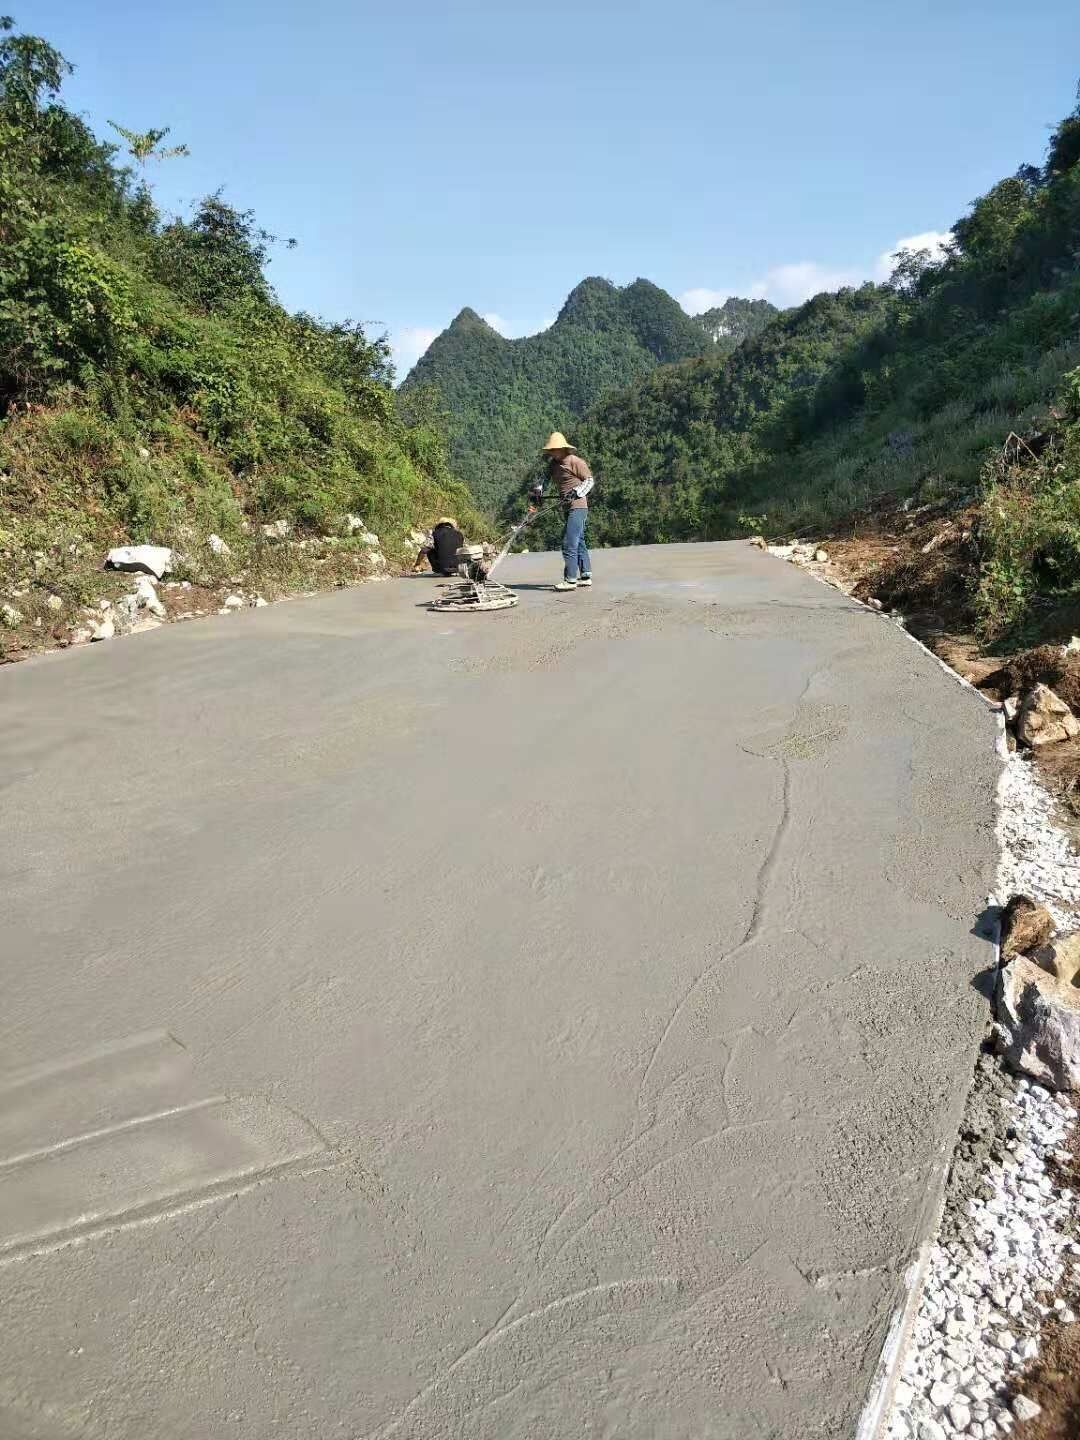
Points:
(504, 396)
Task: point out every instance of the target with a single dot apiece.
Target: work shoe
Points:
(566, 585)
(584, 580)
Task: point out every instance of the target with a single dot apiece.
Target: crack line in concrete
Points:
(498, 1331)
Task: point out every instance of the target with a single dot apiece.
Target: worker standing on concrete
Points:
(569, 472)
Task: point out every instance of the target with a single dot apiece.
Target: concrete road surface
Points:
(542, 1024)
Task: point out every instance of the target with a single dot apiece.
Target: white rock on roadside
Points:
(218, 545)
(150, 559)
(233, 602)
(1038, 1029)
(259, 603)
(1025, 1409)
(147, 597)
(941, 1394)
(959, 1416)
(359, 530)
(105, 630)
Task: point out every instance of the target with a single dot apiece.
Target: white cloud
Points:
(697, 301)
(936, 241)
(496, 322)
(792, 284)
(408, 344)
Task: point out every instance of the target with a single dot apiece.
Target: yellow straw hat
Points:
(558, 441)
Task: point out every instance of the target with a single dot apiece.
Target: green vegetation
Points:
(664, 448)
(151, 385)
(505, 396)
(909, 389)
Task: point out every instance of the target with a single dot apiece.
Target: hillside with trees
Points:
(152, 387)
(902, 393)
(504, 396)
(736, 320)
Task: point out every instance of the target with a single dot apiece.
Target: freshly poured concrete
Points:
(541, 1024)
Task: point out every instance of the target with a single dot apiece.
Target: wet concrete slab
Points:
(581, 997)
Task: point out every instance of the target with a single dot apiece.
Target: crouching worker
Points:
(441, 550)
(573, 479)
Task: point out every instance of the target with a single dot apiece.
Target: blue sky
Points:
(493, 153)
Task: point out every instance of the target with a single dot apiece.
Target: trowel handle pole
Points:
(514, 533)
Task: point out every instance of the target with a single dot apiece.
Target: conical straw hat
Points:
(558, 441)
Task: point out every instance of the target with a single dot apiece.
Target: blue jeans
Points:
(575, 555)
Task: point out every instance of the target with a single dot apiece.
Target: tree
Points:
(143, 145)
(218, 256)
(30, 68)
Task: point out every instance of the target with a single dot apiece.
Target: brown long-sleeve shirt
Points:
(568, 474)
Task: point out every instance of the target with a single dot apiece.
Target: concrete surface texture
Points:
(540, 1024)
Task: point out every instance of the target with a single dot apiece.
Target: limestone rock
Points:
(147, 597)
(1061, 958)
(959, 1416)
(10, 616)
(259, 603)
(1025, 1409)
(218, 545)
(1024, 926)
(1011, 707)
(1038, 1029)
(54, 603)
(149, 559)
(821, 556)
(1044, 718)
(276, 530)
(759, 541)
(233, 602)
(80, 636)
(104, 630)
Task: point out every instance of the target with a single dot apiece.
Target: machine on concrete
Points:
(475, 590)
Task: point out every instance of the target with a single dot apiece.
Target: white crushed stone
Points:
(1036, 857)
(978, 1323)
(962, 1358)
